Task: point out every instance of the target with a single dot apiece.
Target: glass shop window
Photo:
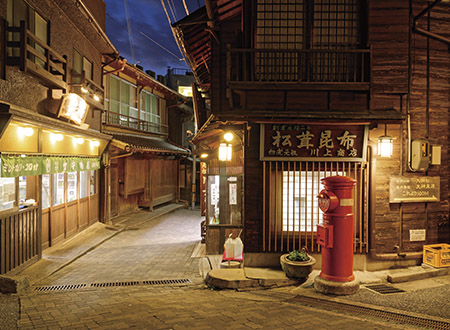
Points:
(45, 191)
(93, 182)
(224, 199)
(71, 186)
(58, 188)
(7, 193)
(84, 184)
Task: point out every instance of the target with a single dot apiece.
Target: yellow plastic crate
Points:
(437, 255)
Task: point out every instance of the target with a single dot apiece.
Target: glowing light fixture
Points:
(78, 140)
(204, 155)
(74, 108)
(26, 131)
(96, 98)
(94, 143)
(56, 137)
(225, 152)
(228, 136)
(385, 144)
(84, 90)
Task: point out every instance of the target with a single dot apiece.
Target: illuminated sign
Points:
(74, 108)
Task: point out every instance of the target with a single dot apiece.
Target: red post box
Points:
(335, 234)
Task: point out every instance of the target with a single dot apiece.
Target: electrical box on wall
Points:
(435, 155)
(420, 155)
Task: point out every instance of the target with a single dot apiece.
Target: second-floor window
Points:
(303, 40)
(80, 64)
(150, 111)
(19, 10)
(122, 100)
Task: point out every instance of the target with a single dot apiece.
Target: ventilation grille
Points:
(383, 288)
(111, 284)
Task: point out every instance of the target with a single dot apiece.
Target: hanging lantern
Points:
(385, 144)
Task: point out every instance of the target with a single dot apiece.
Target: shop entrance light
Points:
(385, 144)
(228, 136)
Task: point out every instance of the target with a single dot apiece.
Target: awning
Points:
(149, 144)
(14, 166)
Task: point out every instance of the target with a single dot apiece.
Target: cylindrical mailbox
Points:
(335, 234)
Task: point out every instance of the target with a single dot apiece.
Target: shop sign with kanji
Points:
(337, 142)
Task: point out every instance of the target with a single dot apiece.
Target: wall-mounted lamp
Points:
(225, 152)
(25, 131)
(385, 144)
(84, 90)
(94, 143)
(78, 140)
(56, 137)
(204, 155)
(96, 98)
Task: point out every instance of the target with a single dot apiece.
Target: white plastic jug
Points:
(238, 247)
(229, 248)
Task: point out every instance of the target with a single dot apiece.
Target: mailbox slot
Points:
(325, 235)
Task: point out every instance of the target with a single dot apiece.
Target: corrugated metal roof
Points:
(147, 144)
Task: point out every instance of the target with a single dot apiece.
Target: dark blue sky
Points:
(147, 17)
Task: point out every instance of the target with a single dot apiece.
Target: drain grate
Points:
(363, 311)
(108, 284)
(162, 282)
(60, 287)
(383, 288)
(111, 284)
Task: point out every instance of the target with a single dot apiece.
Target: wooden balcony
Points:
(31, 54)
(289, 69)
(123, 121)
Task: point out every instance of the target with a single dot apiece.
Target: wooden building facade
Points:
(143, 164)
(51, 100)
(310, 88)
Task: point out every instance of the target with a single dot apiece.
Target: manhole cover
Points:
(383, 288)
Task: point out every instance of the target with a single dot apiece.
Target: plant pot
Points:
(297, 269)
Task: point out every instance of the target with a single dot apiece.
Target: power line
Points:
(144, 41)
(130, 33)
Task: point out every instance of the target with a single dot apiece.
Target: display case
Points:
(58, 188)
(7, 193)
(71, 186)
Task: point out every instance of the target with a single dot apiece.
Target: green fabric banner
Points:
(13, 166)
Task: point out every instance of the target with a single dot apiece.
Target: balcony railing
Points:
(289, 68)
(117, 119)
(31, 54)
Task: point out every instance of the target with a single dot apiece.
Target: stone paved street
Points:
(157, 249)
(178, 308)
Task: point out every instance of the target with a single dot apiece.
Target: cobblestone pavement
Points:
(178, 308)
(161, 249)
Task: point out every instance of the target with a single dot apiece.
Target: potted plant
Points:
(297, 263)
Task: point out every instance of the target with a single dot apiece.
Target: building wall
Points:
(67, 31)
(389, 40)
